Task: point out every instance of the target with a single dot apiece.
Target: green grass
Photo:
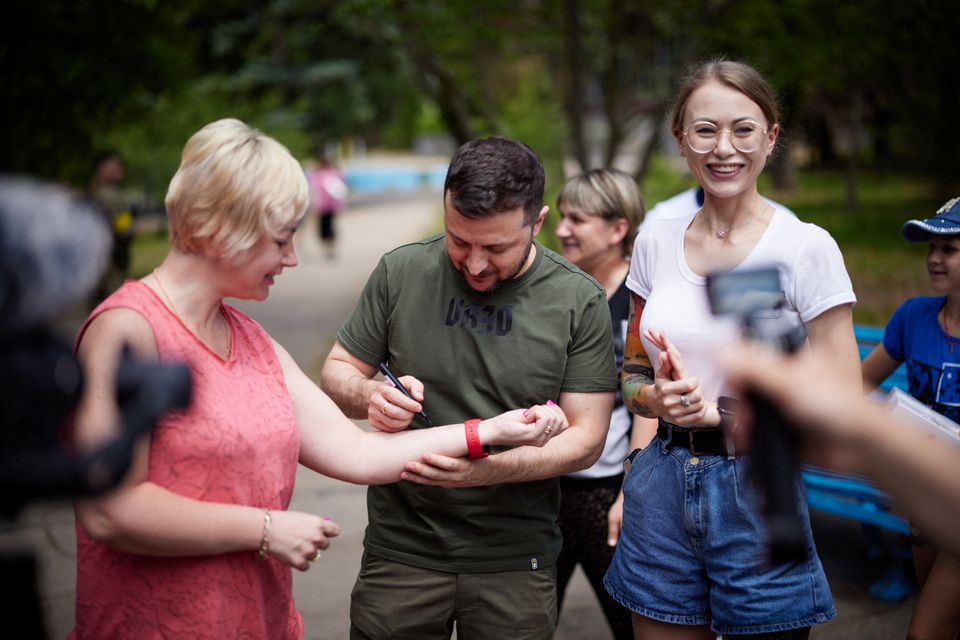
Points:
(148, 251)
(885, 268)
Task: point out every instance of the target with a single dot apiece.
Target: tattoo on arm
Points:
(637, 368)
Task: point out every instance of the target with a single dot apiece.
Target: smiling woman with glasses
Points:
(690, 562)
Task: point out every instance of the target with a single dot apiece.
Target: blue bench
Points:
(856, 498)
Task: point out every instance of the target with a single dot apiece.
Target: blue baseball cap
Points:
(946, 222)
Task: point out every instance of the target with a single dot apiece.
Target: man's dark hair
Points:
(494, 175)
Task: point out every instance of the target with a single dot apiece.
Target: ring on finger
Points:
(684, 400)
(315, 557)
(548, 429)
(383, 409)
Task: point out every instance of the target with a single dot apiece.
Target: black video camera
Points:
(756, 298)
(53, 247)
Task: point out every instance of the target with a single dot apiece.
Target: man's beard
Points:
(499, 281)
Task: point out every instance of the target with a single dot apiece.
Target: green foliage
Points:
(147, 252)
(141, 76)
(664, 178)
(151, 147)
(885, 268)
(71, 71)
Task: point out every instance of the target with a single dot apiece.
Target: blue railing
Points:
(852, 496)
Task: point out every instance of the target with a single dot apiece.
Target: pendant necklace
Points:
(951, 341)
(721, 234)
(169, 301)
(156, 276)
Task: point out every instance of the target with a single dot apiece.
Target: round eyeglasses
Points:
(746, 136)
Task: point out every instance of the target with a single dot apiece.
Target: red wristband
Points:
(474, 448)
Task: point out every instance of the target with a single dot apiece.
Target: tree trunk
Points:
(574, 82)
(456, 108)
(783, 170)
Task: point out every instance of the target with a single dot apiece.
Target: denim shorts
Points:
(692, 550)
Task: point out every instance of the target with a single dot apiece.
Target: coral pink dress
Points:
(237, 443)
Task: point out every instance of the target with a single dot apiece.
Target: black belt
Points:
(701, 442)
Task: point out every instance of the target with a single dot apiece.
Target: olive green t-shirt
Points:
(478, 355)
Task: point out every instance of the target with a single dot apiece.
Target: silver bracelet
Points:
(264, 542)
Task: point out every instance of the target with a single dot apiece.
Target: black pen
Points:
(385, 370)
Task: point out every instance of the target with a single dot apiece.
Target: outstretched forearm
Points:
(922, 474)
(576, 448)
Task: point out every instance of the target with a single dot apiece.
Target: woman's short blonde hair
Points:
(234, 185)
(608, 193)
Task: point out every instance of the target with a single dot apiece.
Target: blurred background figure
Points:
(924, 332)
(104, 192)
(599, 214)
(328, 196)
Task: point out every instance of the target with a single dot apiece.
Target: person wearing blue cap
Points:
(924, 332)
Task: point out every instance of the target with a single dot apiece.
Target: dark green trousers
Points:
(394, 601)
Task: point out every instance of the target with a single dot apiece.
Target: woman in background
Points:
(599, 215)
(328, 196)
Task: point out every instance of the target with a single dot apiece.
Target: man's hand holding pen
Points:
(391, 408)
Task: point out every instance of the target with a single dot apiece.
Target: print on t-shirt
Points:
(485, 319)
(936, 387)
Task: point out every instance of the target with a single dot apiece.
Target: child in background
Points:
(924, 333)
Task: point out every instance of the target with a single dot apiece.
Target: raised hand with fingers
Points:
(533, 426)
(676, 392)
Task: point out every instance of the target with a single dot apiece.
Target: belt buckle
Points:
(691, 435)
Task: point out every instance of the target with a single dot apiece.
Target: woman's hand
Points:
(615, 520)
(534, 426)
(676, 395)
(296, 538)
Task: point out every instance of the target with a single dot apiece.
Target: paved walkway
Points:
(306, 307)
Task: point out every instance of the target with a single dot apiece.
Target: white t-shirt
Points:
(684, 205)
(812, 274)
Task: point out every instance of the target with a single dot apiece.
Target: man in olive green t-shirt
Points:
(476, 321)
